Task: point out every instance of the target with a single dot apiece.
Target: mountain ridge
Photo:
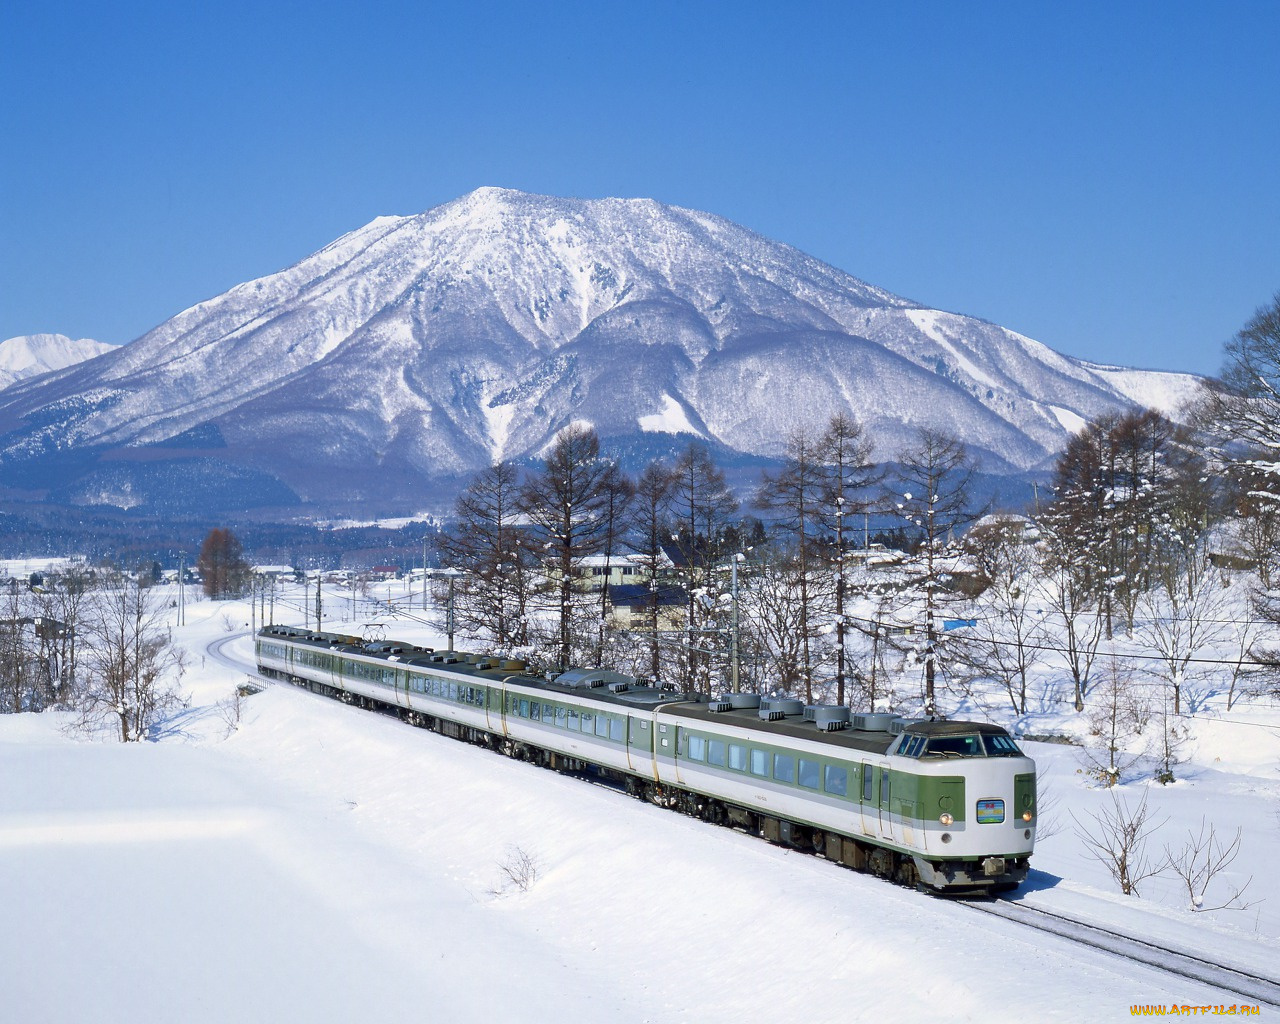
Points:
(420, 348)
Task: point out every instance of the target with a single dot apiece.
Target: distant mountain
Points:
(30, 355)
(377, 372)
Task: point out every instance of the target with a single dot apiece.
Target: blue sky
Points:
(1101, 177)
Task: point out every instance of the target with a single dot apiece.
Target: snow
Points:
(1072, 422)
(30, 354)
(929, 321)
(315, 862)
(672, 419)
(1165, 391)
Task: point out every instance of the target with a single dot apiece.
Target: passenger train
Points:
(946, 806)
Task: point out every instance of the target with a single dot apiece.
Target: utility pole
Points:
(182, 588)
(449, 613)
(318, 619)
(733, 635)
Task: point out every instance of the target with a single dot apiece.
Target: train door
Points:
(882, 791)
(867, 802)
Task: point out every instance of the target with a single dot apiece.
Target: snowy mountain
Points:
(415, 350)
(30, 355)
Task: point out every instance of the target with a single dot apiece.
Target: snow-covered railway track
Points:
(1253, 987)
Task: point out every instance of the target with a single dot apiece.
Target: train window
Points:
(602, 726)
(954, 746)
(835, 780)
(697, 748)
(587, 722)
(573, 719)
(562, 716)
(535, 713)
(737, 757)
(524, 708)
(784, 767)
(884, 788)
(868, 776)
(809, 773)
(760, 763)
(1000, 746)
(715, 752)
(617, 731)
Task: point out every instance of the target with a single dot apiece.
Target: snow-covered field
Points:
(318, 863)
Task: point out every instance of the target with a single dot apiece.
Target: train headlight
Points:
(946, 818)
(1026, 815)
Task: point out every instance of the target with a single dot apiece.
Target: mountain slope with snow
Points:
(30, 355)
(419, 349)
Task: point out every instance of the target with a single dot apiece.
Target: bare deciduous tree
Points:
(567, 503)
(793, 495)
(132, 664)
(1202, 859)
(223, 569)
(1117, 837)
(1115, 718)
(489, 542)
(1007, 640)
(935, 475)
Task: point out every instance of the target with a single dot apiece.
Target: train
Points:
(945, 806)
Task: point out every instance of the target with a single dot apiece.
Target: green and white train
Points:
(948, 806)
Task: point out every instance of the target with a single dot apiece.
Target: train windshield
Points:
(999, 745)
(976, 745)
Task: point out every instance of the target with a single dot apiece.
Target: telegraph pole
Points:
(733, 636)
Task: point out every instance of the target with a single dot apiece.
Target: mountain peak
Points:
(420, 348)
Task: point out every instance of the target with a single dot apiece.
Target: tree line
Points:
(1150, 531)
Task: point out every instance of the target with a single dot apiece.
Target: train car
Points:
(947, 806)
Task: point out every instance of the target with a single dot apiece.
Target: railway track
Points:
(1182, 963)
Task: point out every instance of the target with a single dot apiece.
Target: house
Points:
(630, 605)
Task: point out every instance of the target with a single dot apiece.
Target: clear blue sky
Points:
(1102, 177)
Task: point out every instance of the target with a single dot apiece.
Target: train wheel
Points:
(907, 873)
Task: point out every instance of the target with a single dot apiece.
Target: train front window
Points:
(1000, 745)
(954, 746)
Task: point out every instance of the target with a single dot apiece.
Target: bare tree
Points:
(702, 506)
(223, 569)
(133, 666)
(1184, 616)
(773, 617)
(1201, 860)
(1241, 408)
(1007, 639)
(794, 495)
(567, 503)
(63, 609)
(651, 528)
(619, 490)
(490, 543)
(935, 476)
(1115, 718)
(1117, 837)
(848, 478)
(1074, 594)
(18, 671)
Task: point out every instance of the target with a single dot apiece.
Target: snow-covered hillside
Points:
(425, 347)
(30, 355)
(316, 862)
